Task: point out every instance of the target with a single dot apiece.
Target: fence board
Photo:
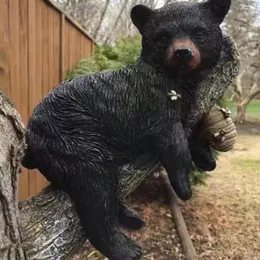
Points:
(89, 48)
(82, 43)
(38, 45)
(24, 110)
(33, 88)
(77, 46)
(4, 51)
(66, 45)
(14, 52)
(45, 56)
(68, 40)
(62, 47)
(41, 181)
(56, 47)
(50, 48)
(24, 98)
(15, 72)
(39, 82)
(72, 50)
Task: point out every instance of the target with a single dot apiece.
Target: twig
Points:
(93, 253)
(188, 248)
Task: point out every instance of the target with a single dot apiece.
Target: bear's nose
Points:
(184, 53)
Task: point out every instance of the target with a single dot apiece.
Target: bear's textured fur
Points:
(87, 127)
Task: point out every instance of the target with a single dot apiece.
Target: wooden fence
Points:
(38, 45)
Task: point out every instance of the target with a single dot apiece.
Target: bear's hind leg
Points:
(98, 206)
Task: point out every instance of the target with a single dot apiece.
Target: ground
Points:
(222, 218)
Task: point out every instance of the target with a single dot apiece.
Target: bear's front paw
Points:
(203, 158)
(206, 164)
(125, 248)
(129, 219)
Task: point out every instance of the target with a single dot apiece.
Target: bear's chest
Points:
(171, 103)
(158, 110)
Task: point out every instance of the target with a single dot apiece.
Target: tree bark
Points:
(49, 225)
(11, 151)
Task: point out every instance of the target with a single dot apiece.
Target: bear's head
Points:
(181, 36)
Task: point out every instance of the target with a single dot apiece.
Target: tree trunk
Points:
(241, 113)
(11, 148)
(242, 105)
(116, 23)
(49, 225)
(102, 18)
(243, 102)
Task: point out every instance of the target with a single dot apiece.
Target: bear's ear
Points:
(219, 8)
(140, 15)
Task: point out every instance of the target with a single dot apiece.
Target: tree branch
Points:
(188, 248)
(11, 150)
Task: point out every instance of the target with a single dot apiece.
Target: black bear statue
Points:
(89, 126)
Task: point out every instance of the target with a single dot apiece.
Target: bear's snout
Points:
(182, 54)
(185, 54)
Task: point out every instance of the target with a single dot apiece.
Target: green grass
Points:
(253, 109)
(249, 165)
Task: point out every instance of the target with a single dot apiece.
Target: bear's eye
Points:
(162, 37)
(201, 35)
